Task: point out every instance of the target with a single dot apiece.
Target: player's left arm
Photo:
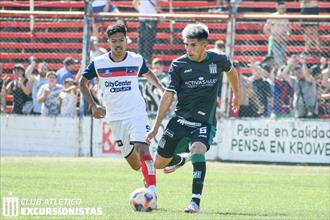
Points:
(233, 80)
(152, 78)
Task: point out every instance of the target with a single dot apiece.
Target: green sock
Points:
(198, 161)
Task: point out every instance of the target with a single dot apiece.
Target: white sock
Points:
(153, 189)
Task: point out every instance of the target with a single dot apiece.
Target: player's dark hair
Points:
(195, 31)
(116, 28)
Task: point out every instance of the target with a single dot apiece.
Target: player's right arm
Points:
(90, 73)
(165, 104)
(166, 100)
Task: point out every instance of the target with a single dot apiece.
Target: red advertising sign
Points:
(108, 144)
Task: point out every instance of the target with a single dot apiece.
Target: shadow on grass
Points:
(224, 214)
(252, 214)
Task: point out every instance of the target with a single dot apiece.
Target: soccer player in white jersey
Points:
(118, 73)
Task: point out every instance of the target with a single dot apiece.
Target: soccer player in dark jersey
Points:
(195, 78)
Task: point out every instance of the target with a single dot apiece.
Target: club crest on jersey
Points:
(118, 71)
(213, 68)
(131, 70)
(107, 73)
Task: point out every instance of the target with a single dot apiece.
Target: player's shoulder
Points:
(180, 61)
(182, 58)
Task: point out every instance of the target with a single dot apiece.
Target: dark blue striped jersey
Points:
(197, 85)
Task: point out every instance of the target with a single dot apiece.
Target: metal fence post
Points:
(84, 63)
(226, 90)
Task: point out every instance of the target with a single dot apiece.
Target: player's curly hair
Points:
(112, 29)
(195, 31)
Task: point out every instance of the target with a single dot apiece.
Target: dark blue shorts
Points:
(179, 129)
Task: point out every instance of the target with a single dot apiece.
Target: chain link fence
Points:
(265, 57)
(276, 58)
(38, 45)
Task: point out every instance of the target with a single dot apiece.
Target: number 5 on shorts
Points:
(203, 130)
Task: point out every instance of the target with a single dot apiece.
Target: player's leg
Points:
(120, 133)
(140, 157)
(198, 150)
(178, 159)
(147, 165)
(201, 141)
(181, 156)
(133, 159)
(138, 127)
(167, 144)
(161, 161)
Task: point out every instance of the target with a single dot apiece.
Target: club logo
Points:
(13, 207)
(213, 68)
(10, 206)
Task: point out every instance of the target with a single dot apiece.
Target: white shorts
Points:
(129, 131)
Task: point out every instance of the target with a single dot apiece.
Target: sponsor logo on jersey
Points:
(201, 82)
(162, 142)
(169, 133)
(188, 71)
(213, 68)
(201, 113)
(118, 86)
(118, 71)
(191, 124)
(117, 83)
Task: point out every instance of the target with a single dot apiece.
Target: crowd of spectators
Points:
(290, 90)
(282, 86)
(38, 91)
(279, 86)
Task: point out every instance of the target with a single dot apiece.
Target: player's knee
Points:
(135, 167)
(198, 148)
(142, 149)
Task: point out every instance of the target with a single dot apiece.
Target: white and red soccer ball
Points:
(143, 200)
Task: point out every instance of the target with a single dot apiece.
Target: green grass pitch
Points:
(231, 191)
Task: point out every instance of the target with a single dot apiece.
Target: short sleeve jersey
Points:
(118, 84)
(197, 85)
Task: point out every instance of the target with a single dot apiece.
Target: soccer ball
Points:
(143, 200)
